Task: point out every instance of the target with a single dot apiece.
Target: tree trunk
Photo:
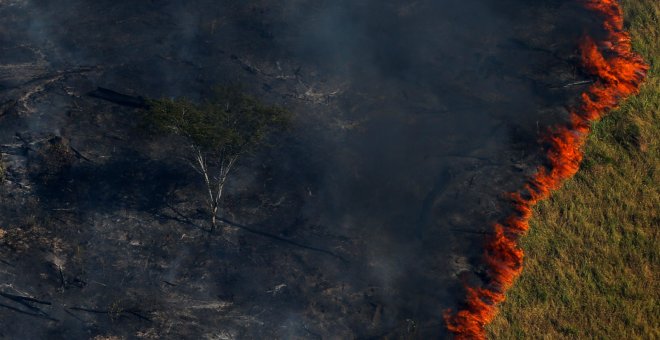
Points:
(216, 202)
(214, 219)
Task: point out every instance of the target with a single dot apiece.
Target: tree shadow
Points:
(254, 229)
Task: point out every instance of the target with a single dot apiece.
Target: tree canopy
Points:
(230, 121)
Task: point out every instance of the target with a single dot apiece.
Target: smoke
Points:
(412, 117)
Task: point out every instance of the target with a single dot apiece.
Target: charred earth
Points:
(364, 220)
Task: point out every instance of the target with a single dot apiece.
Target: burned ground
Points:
(411, 120)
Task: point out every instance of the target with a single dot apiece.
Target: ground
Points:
(362, 221)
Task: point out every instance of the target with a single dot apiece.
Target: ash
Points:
(412, 118)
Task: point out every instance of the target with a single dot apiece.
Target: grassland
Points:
(592, 255)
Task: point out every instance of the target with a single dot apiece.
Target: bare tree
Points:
(219, 131)
(214, 184)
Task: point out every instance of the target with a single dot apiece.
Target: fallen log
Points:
(133, 312)
(120, 98)
(20, 299)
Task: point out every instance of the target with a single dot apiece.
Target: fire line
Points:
(618, 73)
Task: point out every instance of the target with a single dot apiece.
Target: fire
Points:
(618, 73)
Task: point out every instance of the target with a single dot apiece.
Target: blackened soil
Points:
(412, 118)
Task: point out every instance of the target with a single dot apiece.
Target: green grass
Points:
(592, 254)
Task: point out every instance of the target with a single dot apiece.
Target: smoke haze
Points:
(411, 120)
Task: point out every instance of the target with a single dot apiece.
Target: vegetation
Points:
(593, 254)
(219, 131)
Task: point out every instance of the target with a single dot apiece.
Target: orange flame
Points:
(618, 73)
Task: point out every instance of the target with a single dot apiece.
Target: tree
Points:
(219, 131)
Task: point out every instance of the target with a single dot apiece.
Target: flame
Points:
(618, 73)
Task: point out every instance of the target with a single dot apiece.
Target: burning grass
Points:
(618, 73)
(592, 250)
